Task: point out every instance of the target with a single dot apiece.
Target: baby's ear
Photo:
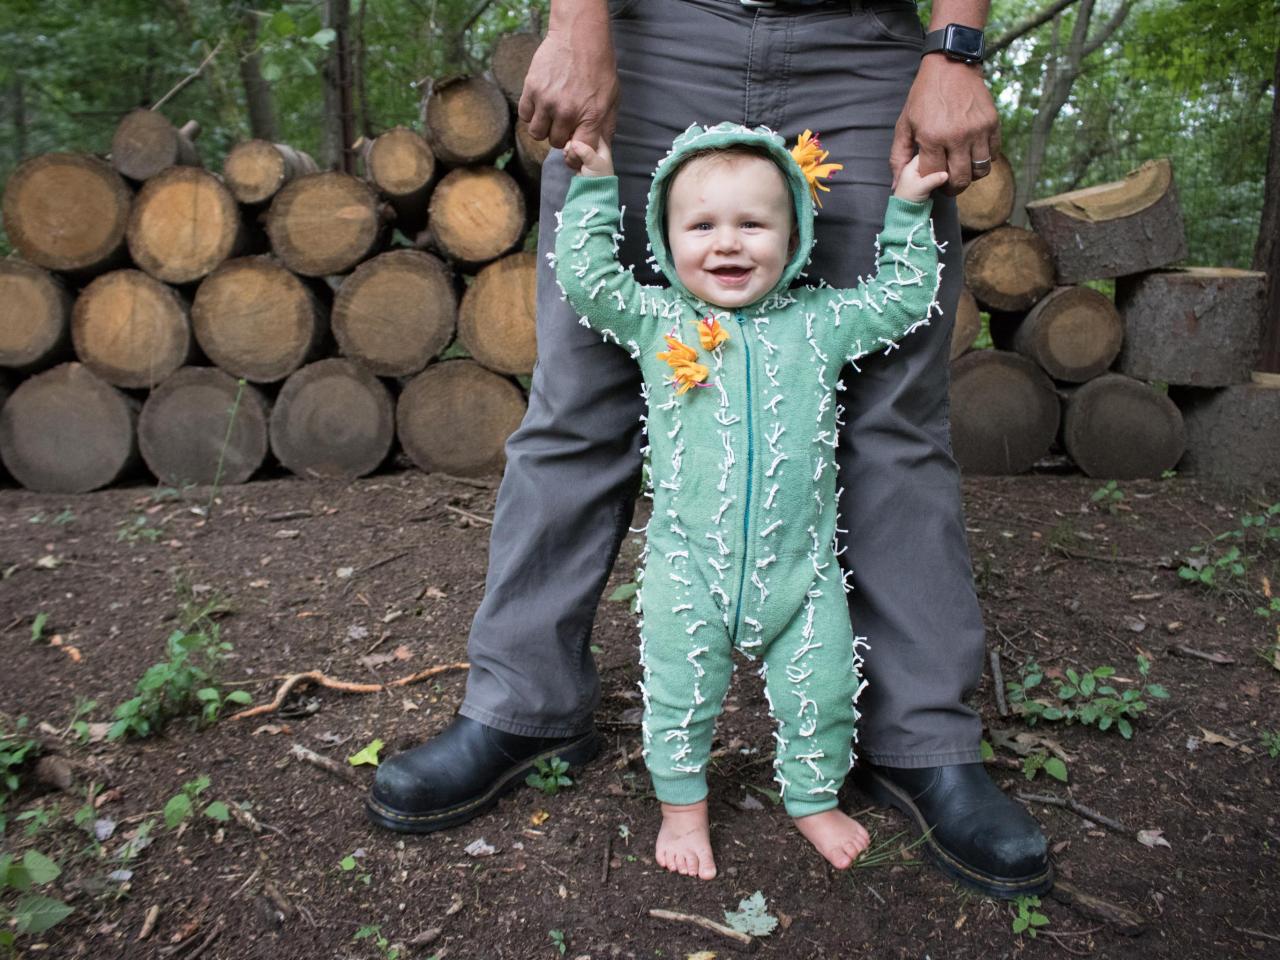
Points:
(793, 242)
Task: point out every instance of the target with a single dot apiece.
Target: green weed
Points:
(1028, 918)
(1083, 697)
(1033, 763)
(373, 933)
(549, 776)
(349, 863)
(37, 627)
(1227, 558)
(558, 941)
(16, 751)
(183, 803)
(1271, 742)
(34, 913)
(1109, 496)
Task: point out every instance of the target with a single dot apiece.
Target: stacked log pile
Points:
(1121, 387)
(200, 324)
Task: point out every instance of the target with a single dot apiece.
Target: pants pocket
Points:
(897, 20)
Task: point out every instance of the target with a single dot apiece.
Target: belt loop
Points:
(758, 3)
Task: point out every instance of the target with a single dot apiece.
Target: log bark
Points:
(396, 312)
(68, 431)
(1008, 269)
(202, 426)
(324, 223)
(255, 170)
(332, 419)
(1004, 412)
(510, 61)
(183, 224)
(496, 322)
(256, 320)
(466, 120)
(967, 326)
(476, 215)
(1113, 229)
(35, 317)
(988, 203)
(68, 212)
(131, 330)
(1231, 433)
(401, 166)
(455, 418)
(145, 142)
(1198, 327)
(530, 153)
(1117, 428)
(1074, 334)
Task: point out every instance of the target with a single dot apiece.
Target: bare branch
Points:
(1026, 25)
(1113, 24)
(191, 76)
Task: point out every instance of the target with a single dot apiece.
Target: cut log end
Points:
(400, 163)
(202, 426)
(35, 316)
(1117, 428)
(467, 120)
(1074, 334)
(496, 322)
(512, 55)
(332, 419)
(324, 223)
(455, 418)
(1004, 412)
(145, 143)
(255, 170)
(1008, 268)
(476, 214)
(987, 203)
(67, 431)
(131, 330)
(184, 223)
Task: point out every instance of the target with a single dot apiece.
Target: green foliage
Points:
(1033, 763)
(1271, 742)
(16, 751)
(184, 683)
(1109, 496)
(558, 941)
(1083, 697)
(37, 626)
(373, 933)
(349, 863)
(549, 776)
(183, 803)
(1028, 918)
(33, 913)
(1227, 559)
(138, 529)
(367, 755)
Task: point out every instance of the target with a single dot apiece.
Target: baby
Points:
(742, 425)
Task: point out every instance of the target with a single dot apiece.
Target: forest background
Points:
(1087, 89)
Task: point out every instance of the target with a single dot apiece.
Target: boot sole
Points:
(574, 752)
(887, 793)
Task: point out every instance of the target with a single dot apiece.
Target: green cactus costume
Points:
(741, 548)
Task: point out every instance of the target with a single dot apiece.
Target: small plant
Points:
(349, 863)
(549, 776)
(1033, 763)
(558, 941)
(37, 627)
(16, 751)
(1227, 557)
(139, 528)
(33, 913)
(1271, 742)
(1084, 697)
(226, 442)
(373, 933)
(183, 803)
(1028, 918)
(77, 724)
(1109, 496)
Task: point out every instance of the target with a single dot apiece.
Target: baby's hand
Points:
(912, 186)
(580, 156)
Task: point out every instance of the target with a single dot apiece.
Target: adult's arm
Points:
(571, 89)
(949, 116)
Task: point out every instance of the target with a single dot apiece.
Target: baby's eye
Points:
(704, 225)
(752, 225)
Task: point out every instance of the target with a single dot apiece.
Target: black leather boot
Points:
(460, 773)
(976, 834)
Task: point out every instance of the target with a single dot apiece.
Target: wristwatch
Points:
(957, 41)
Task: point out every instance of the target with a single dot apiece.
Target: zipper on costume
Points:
(746, 503)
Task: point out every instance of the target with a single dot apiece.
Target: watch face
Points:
(964, 42)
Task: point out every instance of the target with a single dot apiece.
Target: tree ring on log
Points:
(497, 321)
(1118, 428)
(1004, 412)
(466, 119)
(184, 223)
(476, 214)
(324, 223)
(1074, 333)
(256, 169)
(1008, 268)
(988, 202)
(35, 316)
(145, 143)
(130, 329)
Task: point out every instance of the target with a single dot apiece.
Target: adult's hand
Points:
(950, 119)
(571, 89)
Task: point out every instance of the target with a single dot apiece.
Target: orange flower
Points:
(687, 372)
(808, 153)
(711, 334)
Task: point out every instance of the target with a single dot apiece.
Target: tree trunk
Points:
(333, 419)
(67, 431)
(67, 212)
(476, 214)
(340, 132)
(35, 317)
(455, 417)
(1074, 334)
(1116, 428)
(396, 312)
(18, 117)
(131, 330)
(1004, 412)
(201, 426)
(258, 95)
(1266, 254)
(324, 223)
(466, 120)
(1008, 268)
(184, 223)
(496, 321)
(359, 75)
(256, 320)
(255, 170)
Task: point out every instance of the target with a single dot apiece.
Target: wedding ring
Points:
(982, 163)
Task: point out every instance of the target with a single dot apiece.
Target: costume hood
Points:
(697, 138)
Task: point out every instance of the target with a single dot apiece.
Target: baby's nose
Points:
(727, 239)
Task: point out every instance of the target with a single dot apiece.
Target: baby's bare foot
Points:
(839, 838)
(684, 842)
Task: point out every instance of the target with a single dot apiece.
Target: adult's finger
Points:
(903, 148)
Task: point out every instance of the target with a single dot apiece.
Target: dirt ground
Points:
(379, 579)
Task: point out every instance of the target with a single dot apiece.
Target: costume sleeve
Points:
(900, 297)
(607, 296)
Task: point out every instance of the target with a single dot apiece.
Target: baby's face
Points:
(729, 228)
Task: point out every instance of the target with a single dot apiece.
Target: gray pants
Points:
(572, 472)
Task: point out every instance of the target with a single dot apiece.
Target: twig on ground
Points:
(1186, 651)
(608, 854)
(1253, 933)
(468, 514)
(315, 676)
(374, 566)
(288, 515)
(189, 77)
(245, 886)
(1052, 935)
(324, 763)
(1079, 810)
(997, 679)
(149, 921)
(703, 922)
(1102, 558)
(872, 890)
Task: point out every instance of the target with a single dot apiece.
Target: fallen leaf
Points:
(1211, 737)
(271, 729)
(1174, 626)
(1136, 624)
(539, 818)
(104, 828)
(408, 705)
(751, 917)
(393, 616)
(98, 732)
(376, 659)
(345, 572)
(435, 593)
(368, 755)
(48, 562)
(1143, 597)
(259, 584)
(357, 632)
(478, 848)
(402, 652)
(1153, 839)
(287, 534)
(701, 955)
(454, 905)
